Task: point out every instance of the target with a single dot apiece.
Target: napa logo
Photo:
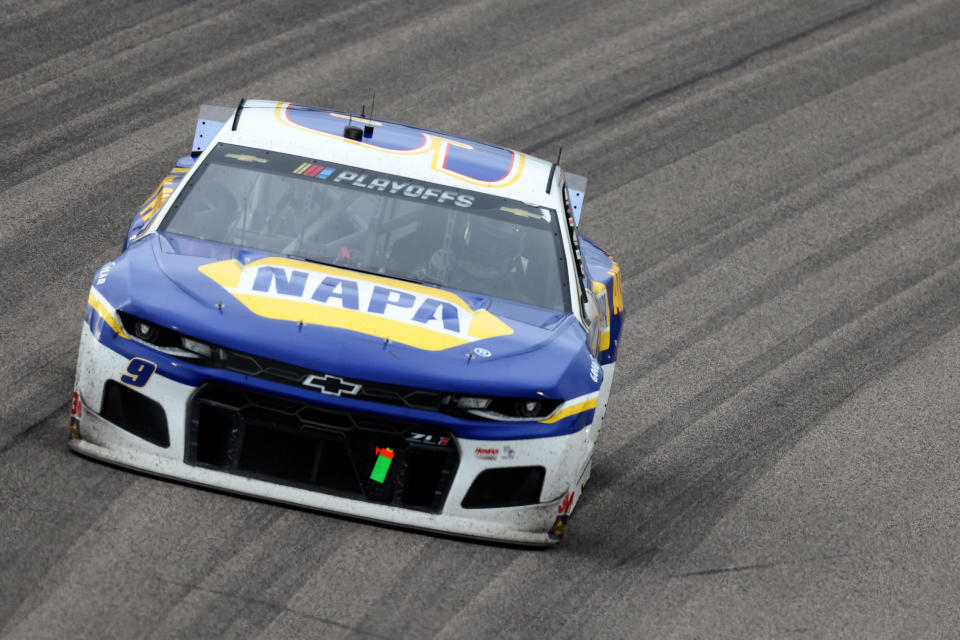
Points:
(415, 315)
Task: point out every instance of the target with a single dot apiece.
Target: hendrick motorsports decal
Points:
(415, 315)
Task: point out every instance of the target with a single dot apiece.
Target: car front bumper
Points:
(564, 458)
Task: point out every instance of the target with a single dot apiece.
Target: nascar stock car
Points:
(359, 317)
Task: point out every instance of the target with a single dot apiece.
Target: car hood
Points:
(349, 323)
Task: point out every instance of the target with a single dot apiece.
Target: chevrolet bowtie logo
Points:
(331, 385)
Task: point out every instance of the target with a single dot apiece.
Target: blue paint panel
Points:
(540, 356)
(484, 162)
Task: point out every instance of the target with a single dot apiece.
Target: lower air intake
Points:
(511, 487)
(135, 413)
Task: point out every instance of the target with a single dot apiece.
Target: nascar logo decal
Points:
(415, 315)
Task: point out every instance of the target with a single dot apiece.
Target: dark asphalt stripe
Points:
(941, 197)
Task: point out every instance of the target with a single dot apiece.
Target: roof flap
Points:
(209, 122)
(577, 186)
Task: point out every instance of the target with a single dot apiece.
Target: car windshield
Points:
(374, 222)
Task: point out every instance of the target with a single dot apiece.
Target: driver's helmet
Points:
(491, 245)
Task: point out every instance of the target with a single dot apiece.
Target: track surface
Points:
(779, 183)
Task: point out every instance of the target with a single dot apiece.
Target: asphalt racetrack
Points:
(779, 182)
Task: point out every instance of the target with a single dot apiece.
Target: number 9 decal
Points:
(138, 372)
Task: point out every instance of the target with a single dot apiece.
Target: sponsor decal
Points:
(563, 516)
(246, 157)
(76, 412)
(492, 453)
(614, 273)
(76, 407)
(566, 505)
(595, 369)
(103, 273)
(382, 465)
(161, 194)
(416, 315)
(558, 528)
(428, 438)
(331, 385)
(600, 290)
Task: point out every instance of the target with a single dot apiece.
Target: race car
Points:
(356, 316)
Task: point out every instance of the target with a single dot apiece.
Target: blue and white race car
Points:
(360, 317)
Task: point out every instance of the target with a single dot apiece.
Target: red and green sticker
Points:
(382, 465)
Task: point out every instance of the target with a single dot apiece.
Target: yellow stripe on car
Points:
(572, 408)
(106, 311)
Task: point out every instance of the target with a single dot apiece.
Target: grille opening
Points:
(282, 440)
(135, 413)
(214, 440)
(424, 472)
(227, 396)
(334, 469)
(274, 452)
(422, 400)
(326, 418)
(267, 415)
(243, 364)
(511, 487)
(279, 405)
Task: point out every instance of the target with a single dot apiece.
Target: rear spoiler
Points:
(577, 187)
(209, 122)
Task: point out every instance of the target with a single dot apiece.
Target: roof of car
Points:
(390, 147)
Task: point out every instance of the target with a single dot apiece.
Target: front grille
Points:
(307, 446)
(266, 369)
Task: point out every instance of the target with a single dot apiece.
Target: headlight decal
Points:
(573, 407)
(106, 311)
